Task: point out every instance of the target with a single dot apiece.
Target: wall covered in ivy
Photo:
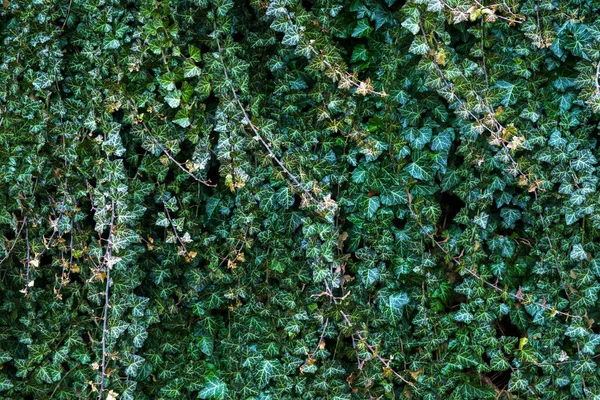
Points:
(285, 199)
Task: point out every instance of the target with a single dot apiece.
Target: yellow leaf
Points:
(341, 239)
(415, 374)
(387, 372)
(572, 274)
(164, 160)
(523, 181)
(522, 342)
(111, 395)
(440, 57)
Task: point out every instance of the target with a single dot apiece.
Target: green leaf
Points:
(291, 36)
(369, 275)
(418, 46)
(418, 172)
(265, 372)
(285, 197)
(134, 363)
(442, 141)
(481, 220)
(360, 53)
(214, 388)
(173, 98)
(182, 119)
(48, 374)
(138, 334)
(510, 216)
(4, 356)
(463, 316)
(591, 344)
(373, 205)
(362, 28)
(412, 24)
(5, 383)
(190, 69)
(578, 253)
(42, 81)
(509, 93)
(195, 53)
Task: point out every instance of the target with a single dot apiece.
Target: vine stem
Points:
(176, 233)
(518, 296)
(497, 135)
(363, 87)
(515, 18)
(28, 260)
(258, 137)
(67, 17)
(13, 246)
(170, 157)
(107, 256)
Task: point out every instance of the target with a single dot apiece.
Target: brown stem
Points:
(259, 138)
(107, 255)
(176, 234)
(170, 157)
(28, 260)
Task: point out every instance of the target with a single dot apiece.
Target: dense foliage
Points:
(328, 199)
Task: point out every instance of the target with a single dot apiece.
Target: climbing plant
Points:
(368, 199)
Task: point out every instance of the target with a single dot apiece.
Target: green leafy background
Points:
(299, 199)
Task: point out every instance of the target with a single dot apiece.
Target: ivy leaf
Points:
(412, 24)
(362, 28)
(195, 53)
(418, 172)
(214, 388)
(578, 253)
(517, 383)
(373, 205)
(138, 334)
(5, 383)
(5, 356)
(359, 53)
(395, 303)
(418, 46)
(135, 362)
(509, 91)
(291, 36)
(590, 345)
(463, 316)
(394, 195)
(173, 98)
(48, 374)
(369, 275)
(584, 160)
(42, 81)
(285, 197)
(182, 118)
(265, 372)
(442, 141)
(481, 220)
(190, 69)
(510, 216)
